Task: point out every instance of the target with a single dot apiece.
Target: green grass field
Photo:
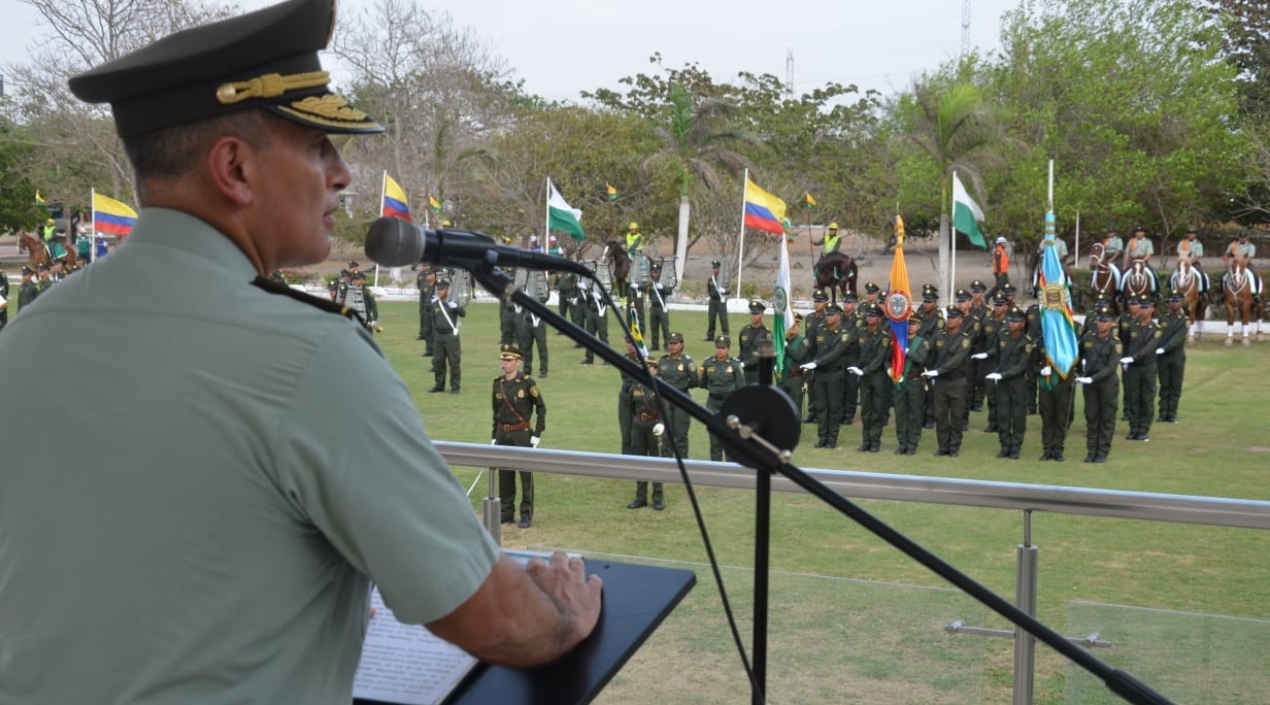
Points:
(832, 635)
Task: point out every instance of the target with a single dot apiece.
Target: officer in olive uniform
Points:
(1015, 354)
(1057, 407)
(678, 369)
(648, 436)
(567, 290)
(427, 283)
(511, 322)
(516, 399)
(1100, 354)
(932, 324)
(533, 334)
(985, 355)
(597, 320)
(1172, 362)
(1146, 335)
(445, 331)
(368, 300)
(1130, 314)
(750, 337)
(872, 368)
(812, 324)
(719, 375)
(852, 322)
(28, 291)
(624, 403)
(718, 309)
(791, 377)
(44, 280)
(826, 362)
(1033, 329)
(910, 390)
(341, 287)
(947, 375)
(658, 315)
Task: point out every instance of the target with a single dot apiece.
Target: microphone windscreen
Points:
(392, 242)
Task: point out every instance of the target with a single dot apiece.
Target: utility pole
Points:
(789, 72)
(965, 27)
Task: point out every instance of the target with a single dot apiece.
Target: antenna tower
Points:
(789, 72)
(965, 27)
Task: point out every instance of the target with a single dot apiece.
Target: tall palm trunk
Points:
(681, 245)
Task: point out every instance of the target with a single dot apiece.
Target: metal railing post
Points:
(1025, 599)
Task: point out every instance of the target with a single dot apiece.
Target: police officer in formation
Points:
(567, 289)
(658, 314)
(1057, 406)
(1146, 337)
(717, 311)
(871, 368)
(515, 400)
(597, 320)
(533, 334)
(677, 368)
(648, 435)
(426, 280)
(947, 375)
(27, 291)
(445, 332)
(751, 336)
(1015, 354)
(812, 324)
(826, 360)
(791, 376)
(1100, 354)
(1172, 362)
(984, 354)
(720, 376)
(911, 389)
(852, 322)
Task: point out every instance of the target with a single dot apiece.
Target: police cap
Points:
(914, 317)
(757, 306)
(953, 312)
(264, 59)
(1175, 295)
(871, 288)
(675, 338)
(508, 352)
(963, 295)
(850, 297)
(1015, 314)
(977, 286)
(819, 295)
(873, 310)
(27, 271)
(1008, 288)
(654, 269)
(715, 264)
(833, 310)
(1103, 313)
(443, 284)
(723, 341)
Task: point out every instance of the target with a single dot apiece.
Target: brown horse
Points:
(836, 273)
(1237, 290)
(619, 266)
(35, 249)
(1105, 278)
(1187, 279)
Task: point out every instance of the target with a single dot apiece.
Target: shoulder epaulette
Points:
(275, 287)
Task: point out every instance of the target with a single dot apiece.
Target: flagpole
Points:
(740, 255)
(612, 214)
(546, 223)
(1076, 262)
(952, 247)
(811, 252)
(92, 234)
(383, 193)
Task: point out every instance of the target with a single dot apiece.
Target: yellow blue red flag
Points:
(763, 211)
(111, 216)
(396, 204)
(898, 305)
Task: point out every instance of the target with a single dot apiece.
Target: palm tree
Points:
(956, 129)
(697, 137)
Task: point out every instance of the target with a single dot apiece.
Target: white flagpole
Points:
(546, 222)
(952, 246)
(1076, 262)
(383, 191)
(740, 256)
(92, 233)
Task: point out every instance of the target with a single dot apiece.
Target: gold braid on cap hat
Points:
(270, 85)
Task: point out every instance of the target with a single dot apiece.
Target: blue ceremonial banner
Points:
(1057, 325)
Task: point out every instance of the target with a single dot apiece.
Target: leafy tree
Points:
(1246, 24)
(18, 209)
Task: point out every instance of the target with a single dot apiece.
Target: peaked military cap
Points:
(1000, 300)
(757, 306)
(873, 310)
(675, 337)
(264, 59)
(977, 285)
(819, 295)
(654, 269)
(914, 317)
(27, 271)
(1015, 314)
(353, 264)
(1133, 301)
(1146, 301)
(1104, 313)
(953, 312)
(850, 297)
(963, 295)
(1175, 295)
(1008, 288)
(715, 264)
(652, 362)
(872, 288)
(443, 284)
(508, 352)
(723, 341)
(833, 310)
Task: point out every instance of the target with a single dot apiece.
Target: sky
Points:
(568, 46)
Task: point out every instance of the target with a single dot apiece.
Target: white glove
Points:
(454, 304)
(534, 440)
(931, 374)
(1126, 360)
(808, 365)
(660, 286)
(994, 376)
(1046, 371)
(742, 365)
(855, 371)
(659, 428)
(979, 356)
(493, 441)
(1084, 380)
(1159, 351)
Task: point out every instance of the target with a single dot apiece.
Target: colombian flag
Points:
(763, 211)
(396, 204)
(112, 217)
(898, 305)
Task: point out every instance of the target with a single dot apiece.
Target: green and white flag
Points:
(561, 216)
(966, 214)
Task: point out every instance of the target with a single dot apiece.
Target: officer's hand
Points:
(1046, 371)
(808, 365)
(1126, 360)
(855, 371)
(742, 365)
(534, 440)
(979, 356)
(930, 374)
(454, 304)
(1084, 380)
(493, 441)
(659, 428)
(994, 376)
(1159, 351)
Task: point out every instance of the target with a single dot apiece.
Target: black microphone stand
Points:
(769, 411)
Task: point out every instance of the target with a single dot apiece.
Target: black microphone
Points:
(393, 242)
